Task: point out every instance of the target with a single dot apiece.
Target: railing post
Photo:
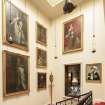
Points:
(65, 102)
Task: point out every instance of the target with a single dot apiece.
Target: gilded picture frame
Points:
(41, 36)
(73, 35)
(15, 26)
(15, 74)
(41, 81)
(41, 58)
(72, 79)
(94, 73)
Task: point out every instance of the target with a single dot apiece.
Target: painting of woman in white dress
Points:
(16, 33)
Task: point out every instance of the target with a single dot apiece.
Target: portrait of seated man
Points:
(94, 72)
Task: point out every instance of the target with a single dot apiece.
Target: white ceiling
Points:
(54, 2)
(52, 8)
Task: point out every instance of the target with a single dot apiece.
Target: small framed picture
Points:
(41, 59)
(15, 74)
(41, 81)
(15, 26)
(94, 72)
(73, 35)
(41, 34)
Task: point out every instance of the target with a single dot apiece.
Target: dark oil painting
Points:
(41, 81)
(41, 34)
(16, 77)
(41, 58)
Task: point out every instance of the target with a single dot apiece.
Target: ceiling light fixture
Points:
(68, 7)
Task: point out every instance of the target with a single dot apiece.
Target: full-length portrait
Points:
(41, 58)
(41, 34)
(72, 38)
(94, 72)
(15, 27)
(16, 77)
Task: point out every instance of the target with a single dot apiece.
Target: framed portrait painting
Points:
(73, 35)
(72, 79)
(94, 73)
(41, 80)
(15, 26)
(41, 58)
(41, 34)
(15, 74)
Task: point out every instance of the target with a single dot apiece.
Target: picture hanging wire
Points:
(10, 11)
(93, 35)
(80, 11)
(25, 6)
(80, 7)
(10, 39)
(55, 45)
(93, 17)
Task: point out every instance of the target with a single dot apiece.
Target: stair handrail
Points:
(73, 97)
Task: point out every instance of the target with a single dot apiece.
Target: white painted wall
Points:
(86, 56)
(54, 48)
(35, 97)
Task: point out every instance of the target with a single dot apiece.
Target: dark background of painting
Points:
(41, 82)
(41, 34)
(41, 54)
(11, 74)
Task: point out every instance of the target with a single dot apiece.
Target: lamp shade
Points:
(75, 80)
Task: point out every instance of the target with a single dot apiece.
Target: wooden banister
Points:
(84, 99)
(87, 99)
